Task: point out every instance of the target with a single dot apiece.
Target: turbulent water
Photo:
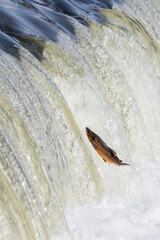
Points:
(64, 66)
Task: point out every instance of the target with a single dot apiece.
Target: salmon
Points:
(108, 154)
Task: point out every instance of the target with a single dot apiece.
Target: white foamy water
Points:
(126, 109)
(120, 218)
(53, 184)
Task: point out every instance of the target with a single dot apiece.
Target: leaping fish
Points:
(103, 150)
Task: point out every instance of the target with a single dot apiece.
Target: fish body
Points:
(102, 149)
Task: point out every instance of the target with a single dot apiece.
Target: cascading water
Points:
(64, 66)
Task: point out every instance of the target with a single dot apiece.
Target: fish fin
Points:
(104, 160)
(113, 152)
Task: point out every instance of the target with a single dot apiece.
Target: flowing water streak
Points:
(114, 99)
(141, 57)
(86, 77)
(146, 12)
(36, 128)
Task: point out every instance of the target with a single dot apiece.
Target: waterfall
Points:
(65, 66)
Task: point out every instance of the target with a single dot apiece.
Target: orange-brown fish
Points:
(103, 150)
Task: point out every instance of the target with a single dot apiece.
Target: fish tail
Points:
(124, 164)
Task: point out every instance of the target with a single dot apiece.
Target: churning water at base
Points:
(64, 66)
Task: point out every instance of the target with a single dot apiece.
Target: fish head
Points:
(90, 135)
